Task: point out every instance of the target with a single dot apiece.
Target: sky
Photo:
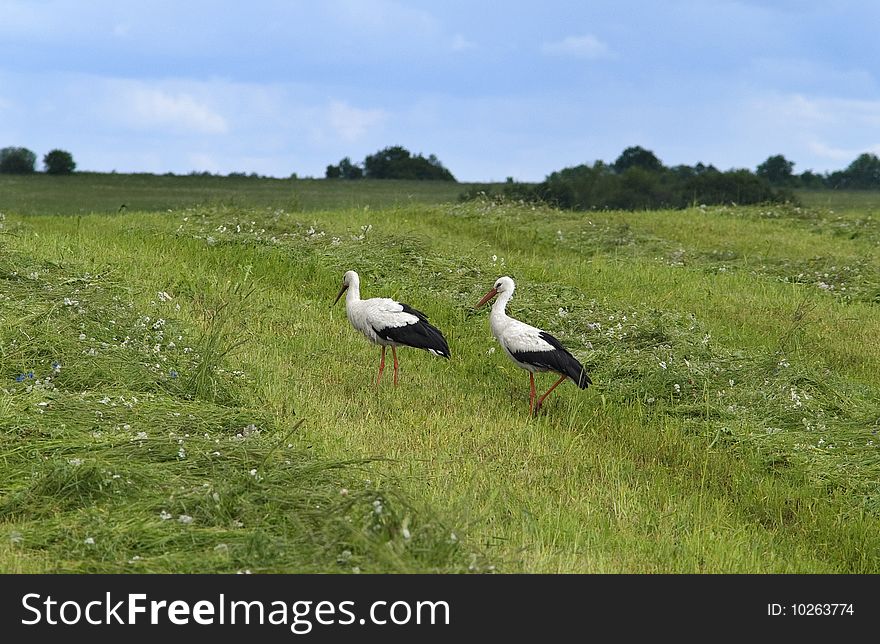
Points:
(494, 89)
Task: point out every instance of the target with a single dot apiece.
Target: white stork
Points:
(389, 323)
(530, 348)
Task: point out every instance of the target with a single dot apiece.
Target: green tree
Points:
(17, 161)
(863, 173)
(810, 179)
(344, 170)
(637, 157)
(59, 162)
(396, 162)
(777, 170)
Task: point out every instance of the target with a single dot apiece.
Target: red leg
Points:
(532, 393)
(381, 366)
(547, 393)
(394, 353)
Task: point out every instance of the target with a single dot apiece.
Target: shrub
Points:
(396, 162)
(17, 161)
(59, 162)
(345, 170)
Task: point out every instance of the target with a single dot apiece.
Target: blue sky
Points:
(493, 89)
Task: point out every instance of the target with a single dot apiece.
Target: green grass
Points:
(84, 193)
(841, 200)
(732, 425)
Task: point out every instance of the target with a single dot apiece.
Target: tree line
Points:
(15, 160)
(861, 174)
(638, 180)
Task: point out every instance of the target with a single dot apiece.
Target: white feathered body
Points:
(389, 323)
(517, 337)
(378, 313)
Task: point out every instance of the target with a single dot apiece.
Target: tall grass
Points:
(731, 426)
(128, 447)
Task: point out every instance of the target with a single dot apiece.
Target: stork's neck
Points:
(353, 294)
(499, 307)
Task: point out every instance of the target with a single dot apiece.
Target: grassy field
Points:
(178, 394)
(77, 194)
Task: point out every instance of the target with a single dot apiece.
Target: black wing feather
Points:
(559, 360)
(420, 335)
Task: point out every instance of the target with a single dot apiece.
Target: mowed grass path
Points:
(732, 426)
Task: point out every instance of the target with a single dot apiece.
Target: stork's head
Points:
(502, 285)
(348, 280)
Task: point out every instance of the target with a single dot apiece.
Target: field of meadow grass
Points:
(87, 193)
(179, 395)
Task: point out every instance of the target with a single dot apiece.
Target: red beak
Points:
(488, 296)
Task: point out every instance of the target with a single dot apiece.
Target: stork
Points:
(389, 323)
(531, 348)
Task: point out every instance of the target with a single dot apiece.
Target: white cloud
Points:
(149, 107)
(822, 133)
(825, 151)
(588, 47)
(352, 123)
(383, 16)
(460, 43)
(820, 111)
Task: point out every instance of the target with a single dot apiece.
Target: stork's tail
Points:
(436, 343)
(575, 370)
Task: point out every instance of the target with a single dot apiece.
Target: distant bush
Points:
(511, 191)
(17, 161)
(811, 180)
(861, 174)
(59, 162)
(397, 162)
(596, 187)
(777, 170)
(637, 157)
(344, 170)
(638, 181)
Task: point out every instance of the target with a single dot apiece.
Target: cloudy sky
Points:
(519, 88)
